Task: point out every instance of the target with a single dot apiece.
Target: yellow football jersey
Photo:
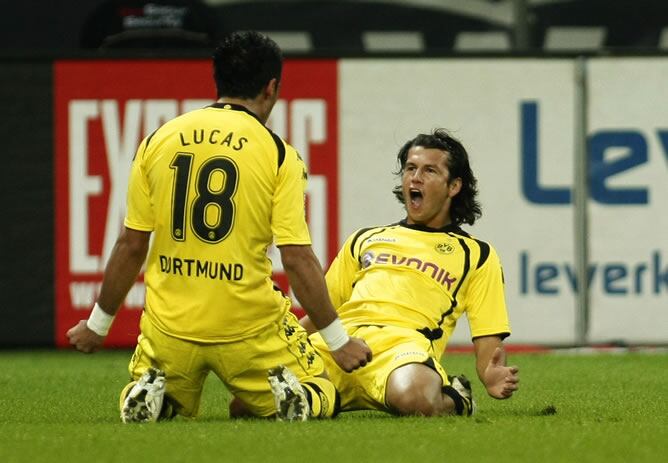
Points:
(216, 187)
(420, 278)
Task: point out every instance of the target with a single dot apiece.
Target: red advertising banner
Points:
(103, 109)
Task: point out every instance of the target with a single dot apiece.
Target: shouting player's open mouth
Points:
(415, 198)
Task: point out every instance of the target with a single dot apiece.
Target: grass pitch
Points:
(58, 406)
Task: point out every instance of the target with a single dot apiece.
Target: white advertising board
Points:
(628, 126)
(516, 119)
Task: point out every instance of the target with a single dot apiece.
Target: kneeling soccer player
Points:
(402, 287)
(209, 192)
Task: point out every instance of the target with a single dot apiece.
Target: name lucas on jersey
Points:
(213, 137)
(201, 269)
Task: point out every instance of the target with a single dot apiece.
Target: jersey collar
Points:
(234, 107)
(449, 228)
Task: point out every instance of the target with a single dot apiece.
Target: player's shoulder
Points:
(482, 251)
(185, 118)
(285, 151)
(289, 152)
(363, 234)
(174, 125)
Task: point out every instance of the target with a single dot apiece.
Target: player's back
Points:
(213, 178)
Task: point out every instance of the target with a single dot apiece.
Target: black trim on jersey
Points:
(359, 249)
(357, 235)
(280, 147)
(237, 107)
(449, 228)
(380, 228)
(467, 267)
(503, 335)
(148, 140)
(484, 252)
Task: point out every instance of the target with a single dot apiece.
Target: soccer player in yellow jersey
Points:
(214, 188)
(402, 288)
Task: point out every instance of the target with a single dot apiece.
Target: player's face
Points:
(427, 190)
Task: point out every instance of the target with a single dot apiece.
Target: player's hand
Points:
(84, 339)
(352, 355)
(501, 381)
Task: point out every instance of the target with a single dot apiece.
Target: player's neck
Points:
(253, 105)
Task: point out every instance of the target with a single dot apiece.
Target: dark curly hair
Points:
(465, 208)
(244, 63)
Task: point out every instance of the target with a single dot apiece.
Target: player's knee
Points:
(415, 389)
(414, 399)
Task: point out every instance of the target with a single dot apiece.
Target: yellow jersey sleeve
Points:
(486, 305)
(139, 214)
(288, 222)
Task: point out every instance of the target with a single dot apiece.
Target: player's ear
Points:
(454, 187)
(271, 89)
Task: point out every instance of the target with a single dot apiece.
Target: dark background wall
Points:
(26, 179)
(335, 26)
(43, 25)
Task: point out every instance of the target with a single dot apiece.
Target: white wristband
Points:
(335, 335)
(99, 321)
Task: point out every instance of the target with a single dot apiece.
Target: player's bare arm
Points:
(121, 272)
(501, 381)
(307, 324)
(305, 275)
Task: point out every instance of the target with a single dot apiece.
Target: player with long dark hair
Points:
(402, 287)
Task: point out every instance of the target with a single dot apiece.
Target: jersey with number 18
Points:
(215, 187)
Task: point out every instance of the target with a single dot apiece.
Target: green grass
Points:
(61, 406)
